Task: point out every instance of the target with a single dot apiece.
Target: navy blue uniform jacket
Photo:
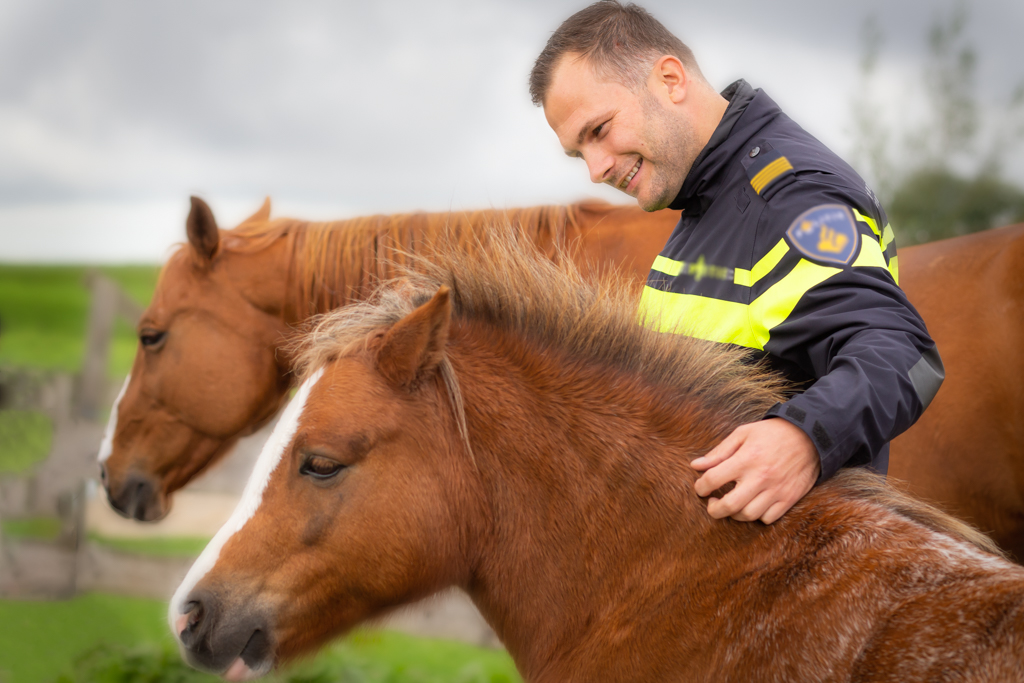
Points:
(783, 249)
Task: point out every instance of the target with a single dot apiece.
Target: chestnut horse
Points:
(967, 450)
(210, 366)
(505, 427)
(226, 301)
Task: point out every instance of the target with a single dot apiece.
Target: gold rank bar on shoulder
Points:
(770, 173)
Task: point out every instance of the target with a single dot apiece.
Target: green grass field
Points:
(100, 638)
(34, 528)
(43, 312)
(156, 546)
(25, 439)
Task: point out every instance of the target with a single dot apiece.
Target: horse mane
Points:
(338, 262)
(549, 302)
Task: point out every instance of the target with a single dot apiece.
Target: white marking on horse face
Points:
(252, 496)
(107, 445)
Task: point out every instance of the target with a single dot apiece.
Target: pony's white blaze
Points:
(252, 496)
(107, 445)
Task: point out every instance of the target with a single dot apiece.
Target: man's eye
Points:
(319, 467)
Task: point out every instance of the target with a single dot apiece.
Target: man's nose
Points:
(600, 167)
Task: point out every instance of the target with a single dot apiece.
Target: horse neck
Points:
(591, 502)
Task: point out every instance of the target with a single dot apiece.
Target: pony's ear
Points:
(414, 346)
(202, 230)
(262, 214)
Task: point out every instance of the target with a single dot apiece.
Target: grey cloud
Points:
(380, 106)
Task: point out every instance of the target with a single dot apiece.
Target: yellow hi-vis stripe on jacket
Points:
(730, 322)
(885, 237)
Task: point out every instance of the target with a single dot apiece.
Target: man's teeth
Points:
(633, 172)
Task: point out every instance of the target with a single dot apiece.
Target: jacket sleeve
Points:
(875, 368)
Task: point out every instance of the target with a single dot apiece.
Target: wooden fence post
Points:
(108, 302)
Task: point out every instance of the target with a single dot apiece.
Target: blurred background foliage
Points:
(941, 175)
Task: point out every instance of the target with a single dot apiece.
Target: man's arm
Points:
(877, 370)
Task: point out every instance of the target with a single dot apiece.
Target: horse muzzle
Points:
(137, 498)
(234, 643)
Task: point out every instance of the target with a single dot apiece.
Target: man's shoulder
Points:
(788, 156)
(812, 199)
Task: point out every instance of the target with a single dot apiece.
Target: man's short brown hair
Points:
(622, 42)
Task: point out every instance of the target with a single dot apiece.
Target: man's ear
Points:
(202, 230)
(414, 346)
(670, 77)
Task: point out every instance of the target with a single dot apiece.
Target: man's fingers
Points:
(717, 477)
(761, 503)
(733, 502)
(719, 453)
(773, 513)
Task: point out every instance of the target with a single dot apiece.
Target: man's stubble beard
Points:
(673, 146)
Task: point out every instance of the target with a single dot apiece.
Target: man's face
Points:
(634, 141)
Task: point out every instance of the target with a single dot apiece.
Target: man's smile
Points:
(629, 176)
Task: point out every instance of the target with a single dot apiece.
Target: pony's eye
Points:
(151, 338)
(319, 467)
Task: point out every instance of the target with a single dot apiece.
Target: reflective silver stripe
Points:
(927, 375)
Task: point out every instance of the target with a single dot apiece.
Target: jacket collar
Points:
(748, 111)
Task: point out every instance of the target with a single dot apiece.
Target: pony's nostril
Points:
(193, 614)
(103, 473)
(190, 623)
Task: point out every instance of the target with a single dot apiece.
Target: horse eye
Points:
(151, 338)
(320, 467)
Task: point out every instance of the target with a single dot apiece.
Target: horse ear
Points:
(202, 229)
(414, 346)
(262, 214)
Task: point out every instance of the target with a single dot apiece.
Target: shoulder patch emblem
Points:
(825, 233)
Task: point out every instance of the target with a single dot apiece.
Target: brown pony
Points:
(210, 366)
(507, 428)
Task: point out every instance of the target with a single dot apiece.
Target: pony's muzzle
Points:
(234, 643)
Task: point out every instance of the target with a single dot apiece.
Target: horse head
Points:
(350, 509)
(205, 372)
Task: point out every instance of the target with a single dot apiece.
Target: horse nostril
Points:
(141, 498)
(189, 624)
(103, 474)
(193, 613)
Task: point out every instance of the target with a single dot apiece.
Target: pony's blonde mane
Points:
(339, 262)
(549, 302)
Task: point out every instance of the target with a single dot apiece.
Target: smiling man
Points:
(781, 249)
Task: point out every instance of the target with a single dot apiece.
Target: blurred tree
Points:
(947, 182)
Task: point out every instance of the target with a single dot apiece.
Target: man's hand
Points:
(773, 463)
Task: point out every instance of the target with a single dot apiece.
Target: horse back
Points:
(960, 455)
(961, 631)
(625, 238)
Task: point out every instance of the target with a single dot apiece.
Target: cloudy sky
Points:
(113, 112)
